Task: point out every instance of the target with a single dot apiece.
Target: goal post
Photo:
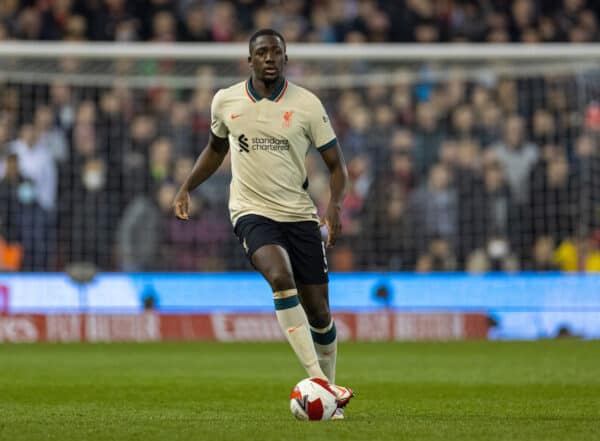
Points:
(461, 156)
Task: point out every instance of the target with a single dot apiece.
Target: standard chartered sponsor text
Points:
(270, 144)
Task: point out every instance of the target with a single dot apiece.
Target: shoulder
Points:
(231, 92)
(303, 94)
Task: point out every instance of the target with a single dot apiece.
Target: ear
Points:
(250, 60)
(286, 58)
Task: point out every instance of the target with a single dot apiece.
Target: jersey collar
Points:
(276, 96)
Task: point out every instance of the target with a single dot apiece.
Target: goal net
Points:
(473, 158)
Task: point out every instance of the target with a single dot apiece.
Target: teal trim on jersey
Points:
(326, 338)
(328, 145)
(251, 90)
(286, 302)
(279, 92)
(276, 94)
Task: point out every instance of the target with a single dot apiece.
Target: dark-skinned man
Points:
(270, 124)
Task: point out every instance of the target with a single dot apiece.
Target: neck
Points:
(266, 88)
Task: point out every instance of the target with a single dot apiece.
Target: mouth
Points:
(270, 71)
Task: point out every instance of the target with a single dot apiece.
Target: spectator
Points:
(76, 29)
(522, 18)
(439, 257)
(433, 209)
(87, 211)
(51, 137)
(111, 16)
(55, 20)
(518, 156)
(552, 201)
(471, 198)
(224, 23)
(135, 167)
(5, 33)
(14, 192)
(141, 232)
(161, 158)
(384, 226)
(23, 222)
(111, 133)
(195, 28)
(490, 127)
(498, 208)
(463, 123)
(180, 130)
(357, 139)
(29, 24)
(61, 103)
(579, 254)
(587, 169)
(544, 128)
(198, 244)
(494, 256)
(543, 255)
(164, 27)
(37, 164)
(428, 138)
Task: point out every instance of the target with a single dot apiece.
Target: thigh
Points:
(254, 231)
(307, 252)
(265, 245)
(273, 262)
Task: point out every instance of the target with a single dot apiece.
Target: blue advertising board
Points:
(523, 306)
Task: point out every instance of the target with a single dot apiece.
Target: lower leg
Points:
(315, 301)
(294, 324)
(273, 263)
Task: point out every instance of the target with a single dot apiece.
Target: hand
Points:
(181, 205)
(333, 222)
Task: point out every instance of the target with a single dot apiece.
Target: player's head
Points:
(267, 54)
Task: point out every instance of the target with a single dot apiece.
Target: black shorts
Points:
(301, 240)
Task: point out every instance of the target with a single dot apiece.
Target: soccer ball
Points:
(313, 399)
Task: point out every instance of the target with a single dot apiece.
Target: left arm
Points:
(338, 181)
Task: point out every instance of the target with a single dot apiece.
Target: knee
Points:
(319, 318)
(280, 279)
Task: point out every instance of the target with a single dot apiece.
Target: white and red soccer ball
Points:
(313, 399)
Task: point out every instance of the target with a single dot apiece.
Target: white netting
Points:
(102, 135)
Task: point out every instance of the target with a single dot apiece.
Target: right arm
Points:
(207, 163)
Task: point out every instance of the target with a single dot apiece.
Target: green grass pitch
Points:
(210, 391)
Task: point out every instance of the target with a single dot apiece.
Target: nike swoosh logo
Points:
(233, 116)
(293, 328)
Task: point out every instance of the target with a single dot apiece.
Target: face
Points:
(439, 177)
(513, 131)
(267, 58)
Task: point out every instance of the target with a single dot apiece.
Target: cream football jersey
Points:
(269, 139)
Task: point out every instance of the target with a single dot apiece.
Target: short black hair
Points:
(262, 32)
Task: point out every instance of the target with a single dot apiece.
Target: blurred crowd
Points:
(328, 21)
(458, 173)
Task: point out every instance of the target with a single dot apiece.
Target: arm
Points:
(207, 163)
(338, 181)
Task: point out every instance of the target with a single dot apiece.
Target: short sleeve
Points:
(320, 131)
(217, 123)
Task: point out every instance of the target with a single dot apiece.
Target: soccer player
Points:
(270, 125)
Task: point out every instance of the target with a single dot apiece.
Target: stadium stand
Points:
(457, 175)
